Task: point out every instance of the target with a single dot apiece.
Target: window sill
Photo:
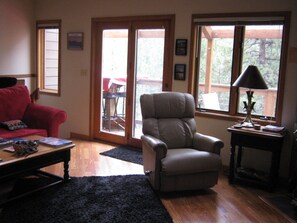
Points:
(49, 92)
(234, 118)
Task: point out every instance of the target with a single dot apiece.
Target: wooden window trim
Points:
(232, 115)
(40, 24)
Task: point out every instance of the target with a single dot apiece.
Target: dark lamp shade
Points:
(251, 78)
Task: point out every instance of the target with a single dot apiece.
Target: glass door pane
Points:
(149, 64)
(113, 81)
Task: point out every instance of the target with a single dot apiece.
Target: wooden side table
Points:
(245, 138)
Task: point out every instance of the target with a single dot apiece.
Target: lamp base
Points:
(247, 124)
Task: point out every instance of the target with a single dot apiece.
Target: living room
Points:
(18, 57)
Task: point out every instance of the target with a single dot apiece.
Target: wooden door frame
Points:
(95, 69)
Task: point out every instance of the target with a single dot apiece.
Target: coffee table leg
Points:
(66, 166)
(66, 170)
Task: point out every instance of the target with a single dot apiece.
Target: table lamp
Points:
(250, 78)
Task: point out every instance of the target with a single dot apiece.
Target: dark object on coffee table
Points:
(25, 148)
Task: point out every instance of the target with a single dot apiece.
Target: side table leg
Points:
(231, 165)
(273, 175)
(239, 153)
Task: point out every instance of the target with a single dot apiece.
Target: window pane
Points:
(216, 54)
(114, 53)
(51, 59)
(48, 58)
(262, 48)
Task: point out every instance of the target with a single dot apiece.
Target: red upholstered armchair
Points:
(15, 104)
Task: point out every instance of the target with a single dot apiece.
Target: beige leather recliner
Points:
(176, 157)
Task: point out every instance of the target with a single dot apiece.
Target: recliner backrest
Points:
(169, 116)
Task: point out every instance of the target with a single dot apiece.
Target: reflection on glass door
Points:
(113, 80)
(149, 63)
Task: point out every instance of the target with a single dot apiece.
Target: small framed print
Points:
(181, 47)
(75, 40)
(180, 72)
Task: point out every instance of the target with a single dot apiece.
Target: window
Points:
(223, 47)
(48, 56)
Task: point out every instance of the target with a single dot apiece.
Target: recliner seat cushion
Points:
(189, 161)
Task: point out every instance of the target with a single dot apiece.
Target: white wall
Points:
(76, 16)
(16, 36)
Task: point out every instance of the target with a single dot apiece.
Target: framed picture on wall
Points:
(181, 47)
(180, 72)
(75, 40)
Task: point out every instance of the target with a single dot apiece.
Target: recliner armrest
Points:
(207, 143)
(153, 151)
(155, 144)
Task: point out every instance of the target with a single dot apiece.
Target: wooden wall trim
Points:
(18, 75)
(80, 136)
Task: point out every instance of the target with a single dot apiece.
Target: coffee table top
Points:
(9, 157)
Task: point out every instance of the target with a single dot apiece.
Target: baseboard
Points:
(79, 136)
(18, 75)
(88, 138)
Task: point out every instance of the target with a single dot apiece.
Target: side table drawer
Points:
(262, 143)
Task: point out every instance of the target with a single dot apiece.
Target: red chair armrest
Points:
(44, 117)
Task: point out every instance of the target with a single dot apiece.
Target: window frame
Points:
(233, 115)
(42, 24)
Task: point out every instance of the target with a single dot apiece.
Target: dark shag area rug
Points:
(114, 199)
(124, 153)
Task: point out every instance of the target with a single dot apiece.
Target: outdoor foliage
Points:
(262, 52)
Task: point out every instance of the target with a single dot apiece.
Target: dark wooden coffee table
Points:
(13, 167)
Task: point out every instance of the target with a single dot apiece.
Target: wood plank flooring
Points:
(223, 203)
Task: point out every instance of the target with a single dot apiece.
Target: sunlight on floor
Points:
(87, 161)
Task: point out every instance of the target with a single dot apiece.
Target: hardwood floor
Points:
(223, 203)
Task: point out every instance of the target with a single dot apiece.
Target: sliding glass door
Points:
(131, 58)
